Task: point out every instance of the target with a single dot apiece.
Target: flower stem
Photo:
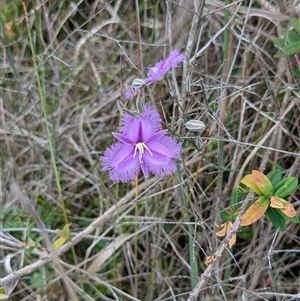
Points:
(45, 114)
(191, 233)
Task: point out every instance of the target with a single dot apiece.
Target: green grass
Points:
(61, 75)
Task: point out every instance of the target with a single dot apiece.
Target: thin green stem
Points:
(44, 108)
(192, 257)
(45, 114)
(226, 59)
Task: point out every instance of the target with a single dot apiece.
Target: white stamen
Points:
(140, 147)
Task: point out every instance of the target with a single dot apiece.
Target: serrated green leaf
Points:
(275, 176)
(276, 218)
(255, 211)
(296, 24)
(262, 182)
(289, 49)
(287, 186)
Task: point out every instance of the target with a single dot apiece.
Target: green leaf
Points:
(262, 182)
(29, 229)
(293, 37)
(294, 219)
(280, 183)
(255, 211)
(284, 32)
(289, 35)
(38, 240)
(286, 187)
(3, 297)
(296, 24)
(279, 42)
(66, 231)
(58, 242)
(63, 236)
(289, 49)
(249, 182)
(297, 72)
(225, 214)
(236, 198)
(274, 176)
(276, 218)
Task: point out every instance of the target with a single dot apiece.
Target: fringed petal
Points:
(118, 160)
(164, 154)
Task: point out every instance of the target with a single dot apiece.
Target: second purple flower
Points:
(155, 73)
(162, 67)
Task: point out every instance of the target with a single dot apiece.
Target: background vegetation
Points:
(63, 68)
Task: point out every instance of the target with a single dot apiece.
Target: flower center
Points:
(141, 146)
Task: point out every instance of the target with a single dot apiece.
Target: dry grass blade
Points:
(29, 208)
(78, 238)
(271, 14)
(16, 190)
(107, 252)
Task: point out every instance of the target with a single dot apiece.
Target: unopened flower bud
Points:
(188, 85)
(195, 125)
(138, 83)
(140, 103)
(180, 121)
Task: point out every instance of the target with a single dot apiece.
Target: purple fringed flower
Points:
(162, 67)
(142, 146)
